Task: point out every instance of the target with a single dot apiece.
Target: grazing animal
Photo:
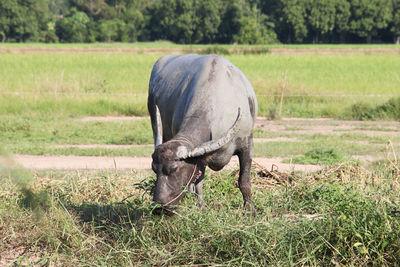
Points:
(202, 111)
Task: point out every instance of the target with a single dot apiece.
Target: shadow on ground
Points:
(127, 214)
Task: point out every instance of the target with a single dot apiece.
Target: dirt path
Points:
(90, 162)
(184, 50)
(296, 126)
(110, 146)
(111, 118)
(328, 126)
(284, 126)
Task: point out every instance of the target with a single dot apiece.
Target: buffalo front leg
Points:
(244, 178)
(199, 188)
(196, 189)
(199, 193)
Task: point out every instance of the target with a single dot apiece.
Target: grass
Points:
(320, 156)
(48, 134)
(292, 150)
(44, 149)
(343, 215)
(72, 131)
(387, 110)
(317, 85)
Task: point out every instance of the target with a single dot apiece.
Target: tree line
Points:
(201, 21)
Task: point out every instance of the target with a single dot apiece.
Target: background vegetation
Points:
(317, 85)
(45, 92)
(208, 21)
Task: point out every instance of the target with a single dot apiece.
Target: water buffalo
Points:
(202, 111)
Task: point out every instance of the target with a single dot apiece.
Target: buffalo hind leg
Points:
(244, 177)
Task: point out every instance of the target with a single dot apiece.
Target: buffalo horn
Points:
(159, 137)
(210, 146)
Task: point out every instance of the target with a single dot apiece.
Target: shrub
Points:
(388, 110)
(219, 50)
(362, 111)
(320, 156)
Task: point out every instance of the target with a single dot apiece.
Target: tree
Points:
(208, 13)
(326, 16)
(255, 28)
(342, 18)
(173, 20)
(274, 10)
(185, 21)
(22, 20)
(395, 29)
(76, 26)
(232, 12)
(113, 30)
(135, 19)
(369, 16)
(58, 7)
(294, 12)
(321, 17)
(95, 9)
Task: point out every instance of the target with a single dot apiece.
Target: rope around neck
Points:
(183, 190)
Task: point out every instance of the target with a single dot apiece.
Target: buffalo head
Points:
(173, 173)
(178, 164)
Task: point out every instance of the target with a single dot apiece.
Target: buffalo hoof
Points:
(249, 208)
(164, 210)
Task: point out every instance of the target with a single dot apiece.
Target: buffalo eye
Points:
(169, 169)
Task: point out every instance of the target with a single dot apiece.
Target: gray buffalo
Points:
(202, 111)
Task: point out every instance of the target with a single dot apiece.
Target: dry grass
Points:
(345, 213)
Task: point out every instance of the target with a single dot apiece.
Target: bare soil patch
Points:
(105, 146)
(296, 125)
(110, 118)
(21, 254)
(182, 50)
(276, 139)
(120, 163)
(284, 126)
(328, 126)
(71, 50)
(110, 146)
(320, 50)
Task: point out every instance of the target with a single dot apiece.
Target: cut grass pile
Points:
(344, 215)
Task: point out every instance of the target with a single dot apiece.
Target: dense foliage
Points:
(194, 21)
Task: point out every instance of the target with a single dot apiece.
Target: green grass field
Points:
(38, 135)
(42, 95)
(116, 83)
(345, 214)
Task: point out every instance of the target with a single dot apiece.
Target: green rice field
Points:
(316, 85)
